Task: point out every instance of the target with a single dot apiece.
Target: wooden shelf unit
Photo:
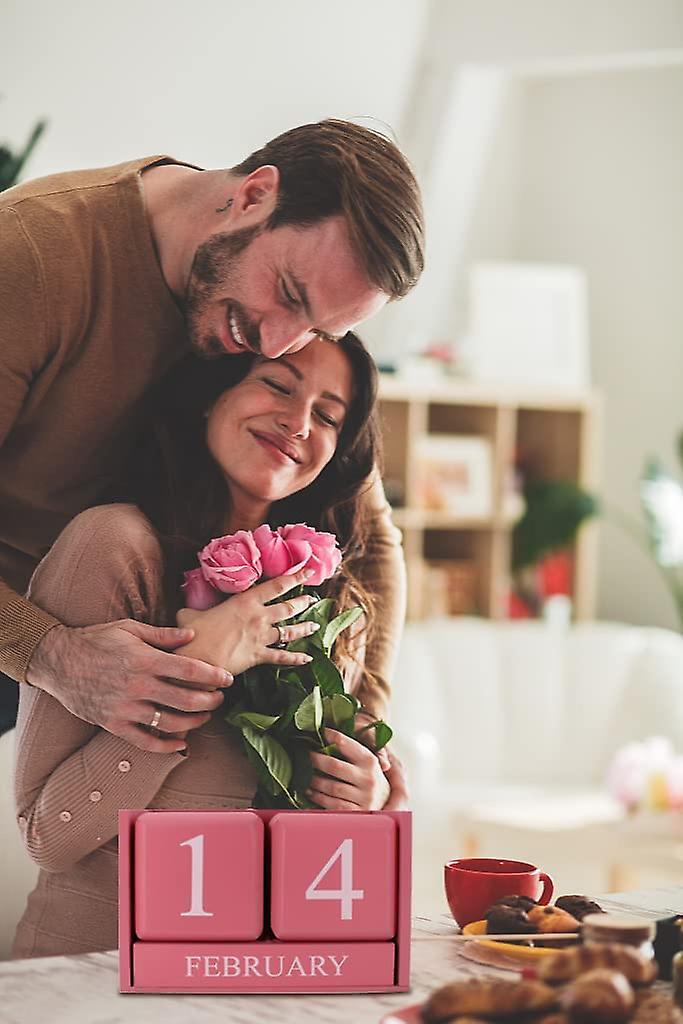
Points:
(557, 435)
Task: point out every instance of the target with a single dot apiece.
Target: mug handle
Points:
(548, 888)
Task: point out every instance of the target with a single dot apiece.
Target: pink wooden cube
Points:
(199, 875)
(333, 876)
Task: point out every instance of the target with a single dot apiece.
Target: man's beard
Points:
(216, 264)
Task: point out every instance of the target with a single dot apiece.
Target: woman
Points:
(237, 442)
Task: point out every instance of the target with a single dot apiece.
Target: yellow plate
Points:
(524, 954)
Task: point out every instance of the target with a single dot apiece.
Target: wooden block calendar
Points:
(264, 901)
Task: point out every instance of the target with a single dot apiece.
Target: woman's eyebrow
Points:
(299, 376)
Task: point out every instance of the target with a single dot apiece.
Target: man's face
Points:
(274, 291)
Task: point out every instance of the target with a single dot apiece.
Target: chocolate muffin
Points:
(518, 902)
(501, 920)
(578, 906)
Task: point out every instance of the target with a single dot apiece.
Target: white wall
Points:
(602, 186)
(208, 81)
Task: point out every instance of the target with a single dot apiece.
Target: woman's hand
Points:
(237, 633)
(355, 784)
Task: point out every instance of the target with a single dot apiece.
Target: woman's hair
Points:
(173, 478)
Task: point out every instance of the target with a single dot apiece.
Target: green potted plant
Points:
(554, 511)
(11, 163)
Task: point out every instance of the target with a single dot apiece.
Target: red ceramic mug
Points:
(474, 883)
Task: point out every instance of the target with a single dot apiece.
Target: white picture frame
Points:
(454, 475)
(529, 325)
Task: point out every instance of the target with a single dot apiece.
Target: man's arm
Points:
(104, 674)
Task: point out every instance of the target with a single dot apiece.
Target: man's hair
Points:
(337, 167)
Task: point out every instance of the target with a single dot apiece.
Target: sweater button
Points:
(65, 816)
(124, 766)
(95, 796)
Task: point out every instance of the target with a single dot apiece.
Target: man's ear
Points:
(256, 196)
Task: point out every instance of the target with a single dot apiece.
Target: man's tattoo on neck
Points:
(222, 209)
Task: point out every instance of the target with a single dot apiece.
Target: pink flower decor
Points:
(320, 551)
(231, 564)
(280, 557)
(199, 594)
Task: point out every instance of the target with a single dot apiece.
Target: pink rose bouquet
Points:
(281, 712)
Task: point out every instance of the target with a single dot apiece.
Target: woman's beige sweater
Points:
(71, 777)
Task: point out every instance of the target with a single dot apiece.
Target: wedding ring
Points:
(156, 718)
(281, 642)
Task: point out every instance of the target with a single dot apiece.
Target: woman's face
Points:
(274, 432)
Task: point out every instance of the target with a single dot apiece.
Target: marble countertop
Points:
(84, 989)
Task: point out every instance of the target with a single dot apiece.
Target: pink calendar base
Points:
(307, 966)
(263, 966)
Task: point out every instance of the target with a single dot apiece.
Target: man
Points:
(104, 277)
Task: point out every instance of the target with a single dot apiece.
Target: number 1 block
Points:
(333, 876)
(199, 875)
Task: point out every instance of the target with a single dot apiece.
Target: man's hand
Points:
(118, 674)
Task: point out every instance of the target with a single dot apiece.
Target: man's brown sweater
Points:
(87, 322)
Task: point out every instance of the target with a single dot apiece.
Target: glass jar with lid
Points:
(600, 929)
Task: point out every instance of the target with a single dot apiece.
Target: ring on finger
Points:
(281, 639)
(154, 724)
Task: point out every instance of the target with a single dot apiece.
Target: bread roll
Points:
(599, 997)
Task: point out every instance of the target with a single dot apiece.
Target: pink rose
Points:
(231, 564)
(199, 594)
(278, 556)
(324, 556)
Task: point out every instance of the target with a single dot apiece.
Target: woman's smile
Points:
(277, 447)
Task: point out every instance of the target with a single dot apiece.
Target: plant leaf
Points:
(309, 715)
(275, 758)
(259, 721)
(338, 710)
(383, 734)
(325, 673)
(336, 626)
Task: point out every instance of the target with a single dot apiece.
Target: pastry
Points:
(552, 919)
(516, 901)
(571, 963)
(488, 997)
(578, 906)
(503, 920)
(656, 1008)
(599, 997)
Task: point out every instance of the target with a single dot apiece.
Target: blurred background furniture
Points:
(555, 435)
(507, 730)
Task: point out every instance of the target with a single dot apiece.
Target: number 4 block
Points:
(333, 876)
(199, 875)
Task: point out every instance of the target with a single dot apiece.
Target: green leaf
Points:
(302, 771)
(383, 734)
(273, 756)
(326, 674)
(338, 710)
(259, 721)
(309, 715)
(319, 612)
(336, 626)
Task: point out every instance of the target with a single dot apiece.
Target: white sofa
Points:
(507, 730)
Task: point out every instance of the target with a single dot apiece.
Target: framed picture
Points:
(529, 324)
(454, 475)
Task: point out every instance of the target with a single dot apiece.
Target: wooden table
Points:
(84, 989)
